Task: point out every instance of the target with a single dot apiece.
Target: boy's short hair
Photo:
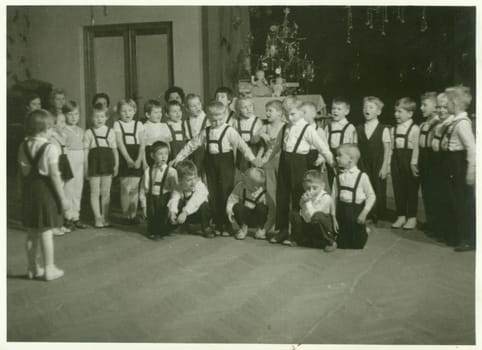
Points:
(373, 99)
(37, 121)
(352, 150)
(215, 107)
(460, 95)
(186, 168)
(276, 104)
(225, 90)
(243, 99)
(310, 105)
(341, 100)
(192, 96)
(151, 104)
(429, 95)
(171, 104)
(407, 104)
(172, 89)
(156, 146)
(256, 174)
(101, 95)
(69, 106)
(126, 101)
(313, 176)
(442, 96)
(297, 104)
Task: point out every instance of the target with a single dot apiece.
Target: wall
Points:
(18, 40)
(56, 42)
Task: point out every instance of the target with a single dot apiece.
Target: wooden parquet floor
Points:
(120, 287)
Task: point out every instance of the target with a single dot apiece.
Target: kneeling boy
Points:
(313, 223)
(189, 201)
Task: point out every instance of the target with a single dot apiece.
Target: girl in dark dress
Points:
(43, 197)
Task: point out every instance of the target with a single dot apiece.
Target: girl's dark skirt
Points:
(41, 206)
(124, 170)
(101, 161)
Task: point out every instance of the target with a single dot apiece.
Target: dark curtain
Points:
(226, 29)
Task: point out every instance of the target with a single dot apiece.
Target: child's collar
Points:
(351, 170)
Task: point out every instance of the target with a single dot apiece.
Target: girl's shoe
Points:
(53, 272)
(411, 224)
(58, 231)
(35, 272)
(289, 243)
(330, 248)
(401, 220)
(260, 234)
(242, 233)
(80, 225)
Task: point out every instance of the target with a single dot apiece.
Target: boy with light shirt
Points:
(294, 142)
(220, 141)
(404, 164)
(196, 123)
(313, 223)
(225, 96)
(339, 131)
(354, 198)
(154, 129)
(374, 142)
(189, 200)
(247, 204)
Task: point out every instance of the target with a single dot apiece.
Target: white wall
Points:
(56, 42)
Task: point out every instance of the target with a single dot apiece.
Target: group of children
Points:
(183, 170)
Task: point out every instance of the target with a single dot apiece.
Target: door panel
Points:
(109, 66)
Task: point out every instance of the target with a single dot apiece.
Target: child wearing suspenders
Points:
(247, 204)
(404, 164)
(249, 127)
(177, 127)
(354, 198)
(131, 145)
(158, 182)
(426, 161)
(461, 167)
(294, 141)
(101, 163)
(195, 124)
(220, 140)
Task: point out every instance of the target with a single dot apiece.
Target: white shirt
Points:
(178, 128)
(89, 139)
(156, 132)
(129, 129)
(310, 138)
(244, 126)
(370, 127)
(231, 141)
(157, 175)
(319, 203)
(251, 196)
(196, 124)
(460, 137)
(338, 125)
(348, 178)
(198, 196)
(413, 137)
(50, 156)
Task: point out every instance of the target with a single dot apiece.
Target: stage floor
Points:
(119, 286)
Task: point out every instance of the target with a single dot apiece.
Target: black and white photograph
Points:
(233, 175)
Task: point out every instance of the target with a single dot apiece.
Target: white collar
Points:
(372, 121)
(354, 169)
(342, 122)
(300, 121)
(406, 123)
(461, 115)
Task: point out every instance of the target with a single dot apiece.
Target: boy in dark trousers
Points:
(158, 182)
(354, 197)
(374, 144)
(221, 141)
(404, 164)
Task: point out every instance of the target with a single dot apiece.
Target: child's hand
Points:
(116, 171)
(265, 137)
(257, 162)
(173, 163)
(181, 218)
(138, 163)
(336, 227)
(362, 218)
(383, 173)
(305, 197)
(323, 168)
(65, 205)
(470, 178)
(319, 161)
(230, 215)
(414, 169)
(130, 163)
(144, 213)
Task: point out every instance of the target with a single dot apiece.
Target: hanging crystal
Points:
(423, 22)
